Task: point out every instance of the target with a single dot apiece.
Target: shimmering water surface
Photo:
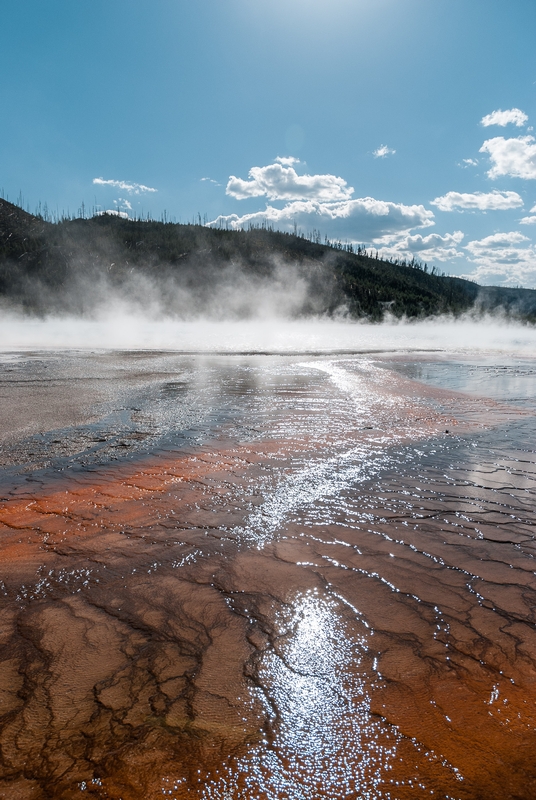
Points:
(267, 577)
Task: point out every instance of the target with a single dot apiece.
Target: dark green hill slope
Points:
(76, 265)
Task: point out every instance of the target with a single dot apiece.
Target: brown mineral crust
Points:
(135, 621)
(130, 663)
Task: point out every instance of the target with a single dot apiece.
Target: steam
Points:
(101, 284)
(96, 293)
(121, 329)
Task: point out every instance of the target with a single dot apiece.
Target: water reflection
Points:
(323, 740)
(511, 379)
(359, 401)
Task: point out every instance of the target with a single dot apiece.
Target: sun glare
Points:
(319, 20)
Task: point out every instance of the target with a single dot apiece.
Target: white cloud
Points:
(123, 204)
(496, 241)
(481, 201)
(513, 157)
(280, 181)
(507, 259)
(210, 180)
(514, 116)
(320, 202)
(521, 273)
(529, 220)
(362, 220)
(383, 151)
(469, 162)
(113, 212)
(288, 161)
(126, 186)
(427, 248)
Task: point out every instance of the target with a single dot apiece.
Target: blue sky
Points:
(372, 121)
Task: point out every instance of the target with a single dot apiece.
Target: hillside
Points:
(77, 265)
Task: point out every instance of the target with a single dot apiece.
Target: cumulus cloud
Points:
(515, 158)
(507, 259)
(125, 186)
(113, 212)
(480, 201)
(360, 220)
(530, 220)
(522, 272)
(427, 248)
(280, 181)
(514, 116)
(469, 162)
(383, 151)
(287, 160)
(322, 203)
(497, 241)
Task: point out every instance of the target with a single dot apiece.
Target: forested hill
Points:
(76, 265)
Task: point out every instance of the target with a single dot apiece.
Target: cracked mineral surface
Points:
(267, 577)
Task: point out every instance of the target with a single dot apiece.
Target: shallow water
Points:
(267, 576)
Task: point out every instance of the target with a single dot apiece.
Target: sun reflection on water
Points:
(322, 740)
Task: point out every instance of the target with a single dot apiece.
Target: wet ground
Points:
(267, 577)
